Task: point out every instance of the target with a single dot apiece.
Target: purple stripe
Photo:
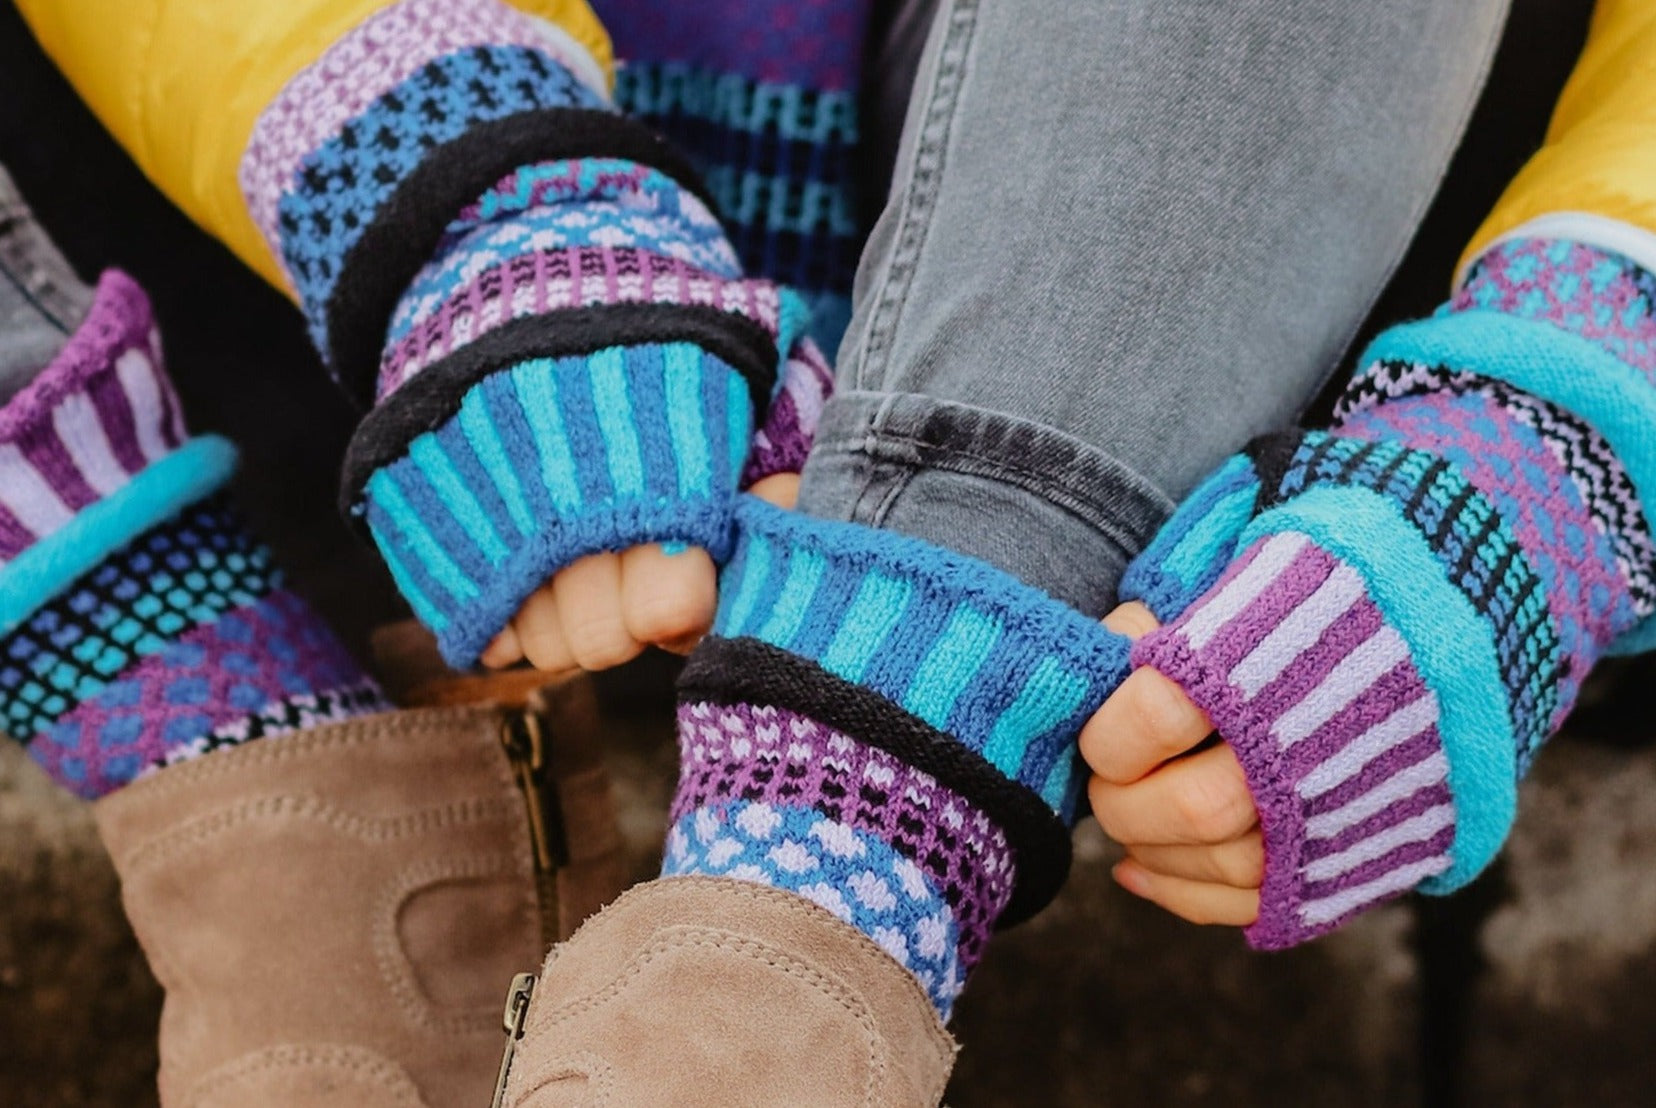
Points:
(1405, 755)
(14, 537)
(1436, 846)
(1297, 580)
(1354, 627)
(114, 410)
(1396, 687)
(45, 451)
(1428, 796)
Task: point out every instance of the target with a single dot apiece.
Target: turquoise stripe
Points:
(1566, 369)
(384, 489)
(1048, 698)
(684, 374)
(485, 442)
(607, 369)
(423, 607)
(805, 570)
(1213, 537)
(737, 102)
(782, 203)
(435, 464)
(793, 322)
(756, 563)
(160, 490)
(538, 397)
(1055, 790)
(739, 413)
(875, 610)
(1449, 643)
(951, 664)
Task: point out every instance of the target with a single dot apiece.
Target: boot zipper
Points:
(523, 735)
(517, 1008)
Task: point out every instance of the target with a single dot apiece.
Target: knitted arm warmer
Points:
(1387, 620)
(560, 349)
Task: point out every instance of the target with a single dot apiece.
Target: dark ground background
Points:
(1534, 987)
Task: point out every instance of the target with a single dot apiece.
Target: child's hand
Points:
(1186, 819)
(604, 609)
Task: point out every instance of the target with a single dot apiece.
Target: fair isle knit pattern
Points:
(1420, 594)
(761, 754)
(90, 423)
(854, 875)
(763, 97)
(178, 627)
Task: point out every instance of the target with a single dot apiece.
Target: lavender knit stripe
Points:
(780, 446)
(763, 754)
(543, 281)
(1334, 728)
(370, 59)
(93, 419)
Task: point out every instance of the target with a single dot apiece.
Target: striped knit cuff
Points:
(1333, 724)
(547, 461)
(781, 445)
(140, 625)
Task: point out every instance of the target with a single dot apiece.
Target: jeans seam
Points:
(920, 195)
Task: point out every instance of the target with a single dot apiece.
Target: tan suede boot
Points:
(692, 991)
(335, 914)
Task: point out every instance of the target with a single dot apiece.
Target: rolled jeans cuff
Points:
(1042, 505)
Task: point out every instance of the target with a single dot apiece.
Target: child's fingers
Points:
(503, 650)
(667, 599)
(1239, 863)
(1146, 721)
(1196, 901)
(588, 591)
(1200, 799)
(781, 489)
(540, 632)
(1132, 620)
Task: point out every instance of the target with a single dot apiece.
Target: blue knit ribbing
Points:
(338, 189)
(1191, 550)
(552, 460)
(1003, 668)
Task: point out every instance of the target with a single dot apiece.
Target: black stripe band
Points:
(748, 671)
(432, 396)
(407, 227)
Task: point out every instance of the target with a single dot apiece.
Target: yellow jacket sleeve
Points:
(181, 85)
(1594, 178)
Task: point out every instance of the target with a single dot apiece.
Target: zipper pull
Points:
(517, 1009)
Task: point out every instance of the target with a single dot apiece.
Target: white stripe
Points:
(1412, 830)
(138, 379)
(28, 495)
(1586, 228)
(1344, 683)
(1333, 907)
(1299, 632)
(1244, 588)
(1430, 771)
(82, 433)
(1393, 731)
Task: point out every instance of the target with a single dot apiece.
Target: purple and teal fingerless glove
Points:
(559, 347)
(141, 625)
(1387, 620)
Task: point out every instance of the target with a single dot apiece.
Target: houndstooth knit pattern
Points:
(765, 755)
(773, 127)
(1413, 601)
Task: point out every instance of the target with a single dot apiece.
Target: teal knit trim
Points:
(1449, 643)
(195, 470)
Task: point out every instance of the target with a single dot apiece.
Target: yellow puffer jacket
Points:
(1594, 179)
(181, 86)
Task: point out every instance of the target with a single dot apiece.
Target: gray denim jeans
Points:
(41, 299)
(1123, 238)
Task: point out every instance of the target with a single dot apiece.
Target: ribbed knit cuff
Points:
(782, 443)
(550, 460)
(1334, 726)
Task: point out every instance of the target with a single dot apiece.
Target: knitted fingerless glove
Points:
(889, 730)
(1386, 621)
(140, 625)
(561, 351)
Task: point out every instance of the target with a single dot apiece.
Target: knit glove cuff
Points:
(1389, 621)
